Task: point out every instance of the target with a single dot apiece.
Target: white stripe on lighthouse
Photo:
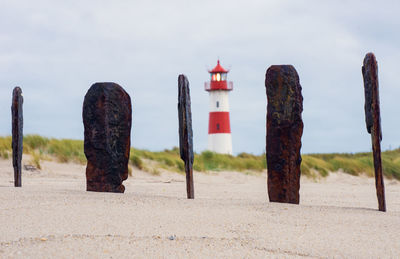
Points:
(219, 101)
(220, 143)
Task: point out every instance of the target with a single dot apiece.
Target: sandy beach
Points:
(52, 216)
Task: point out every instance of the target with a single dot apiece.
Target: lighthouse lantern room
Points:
(219, 129)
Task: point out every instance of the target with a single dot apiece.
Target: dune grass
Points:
(205, 161)
(5, 147)
(68, 150)
(40, 148)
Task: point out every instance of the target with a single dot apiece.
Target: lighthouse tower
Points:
(219, 128)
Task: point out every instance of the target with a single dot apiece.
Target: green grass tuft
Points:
(136, 161)
(35, 160)
(5, 147)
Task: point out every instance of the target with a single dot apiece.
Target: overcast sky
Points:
(55, 50)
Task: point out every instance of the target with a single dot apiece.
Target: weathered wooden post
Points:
(17, 134)
(373, 121)
(107, 118)
(284, 131)
(185, 132)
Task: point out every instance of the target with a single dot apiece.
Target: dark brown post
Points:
(17, 134)
(185, 132)
(107, 118)
(373, 121)
(284, 131)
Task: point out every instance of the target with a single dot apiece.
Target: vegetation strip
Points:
(313, 165)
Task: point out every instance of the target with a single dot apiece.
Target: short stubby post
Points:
(107, 119)
(373, 121)
(17, 134)
(284, 131)
(185, 132)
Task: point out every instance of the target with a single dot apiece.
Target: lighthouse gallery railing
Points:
(229, 86)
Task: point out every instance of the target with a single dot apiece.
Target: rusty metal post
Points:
(373, 121)
(17, 134)
(185, 132)
(284, 131)
(107, 120)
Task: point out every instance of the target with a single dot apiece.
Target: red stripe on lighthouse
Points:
(219, 123)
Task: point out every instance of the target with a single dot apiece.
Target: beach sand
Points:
(52, 216)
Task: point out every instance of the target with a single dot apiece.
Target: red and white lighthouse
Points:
(219, 128)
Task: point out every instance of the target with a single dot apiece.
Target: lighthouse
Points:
(219, 128)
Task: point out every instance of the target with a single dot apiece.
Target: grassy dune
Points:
(313, 165)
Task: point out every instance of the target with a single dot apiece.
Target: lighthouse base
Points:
(220, 143)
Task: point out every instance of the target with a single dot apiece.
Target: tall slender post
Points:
(17, 134)
(185, 132)
(373, 121)
(284, 131)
